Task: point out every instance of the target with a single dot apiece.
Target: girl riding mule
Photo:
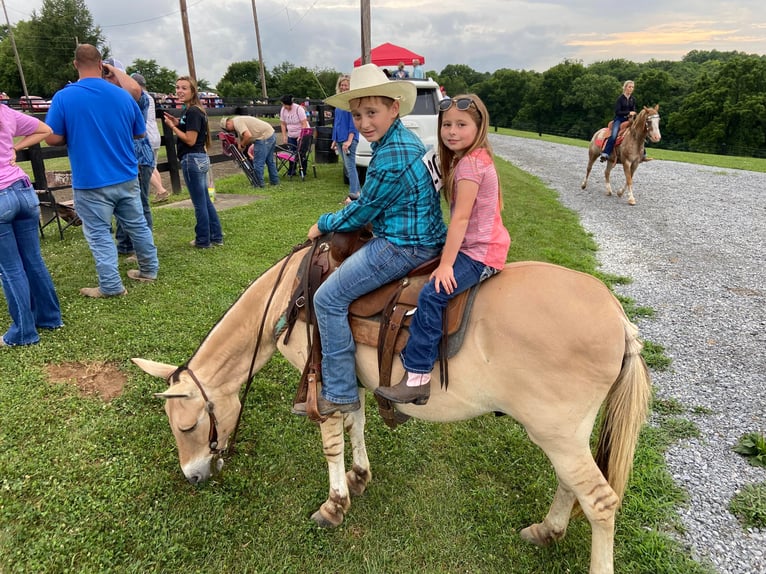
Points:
(544, 344)
(629, 152)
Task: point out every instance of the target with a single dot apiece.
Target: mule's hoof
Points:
(631, 201)
(321, 521)
(530, 534)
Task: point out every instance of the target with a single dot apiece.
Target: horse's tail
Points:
(626, 409)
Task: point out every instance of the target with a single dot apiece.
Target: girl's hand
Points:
(314, 232)
(170, 120)
(444, 278)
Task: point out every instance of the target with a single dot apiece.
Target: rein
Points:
(209, 405)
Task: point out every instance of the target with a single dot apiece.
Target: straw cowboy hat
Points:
(369, 80)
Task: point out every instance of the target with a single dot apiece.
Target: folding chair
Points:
(56, 211)
(230, 149)
(295, 159)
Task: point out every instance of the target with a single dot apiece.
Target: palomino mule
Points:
(629, 152)
(545, 345)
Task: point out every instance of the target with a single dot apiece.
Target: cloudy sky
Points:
(484, 34)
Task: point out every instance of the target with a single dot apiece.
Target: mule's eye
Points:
(188, 429)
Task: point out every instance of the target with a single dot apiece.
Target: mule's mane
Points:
(638, 125)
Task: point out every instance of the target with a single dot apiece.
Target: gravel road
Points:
(695, 247)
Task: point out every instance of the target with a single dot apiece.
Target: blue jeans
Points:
(616, 123)
(28, 288)
(375, 264)
(124, 244)
(263, 153)
(422, 349)
(349, 167)
(96, 207)
(208, 229)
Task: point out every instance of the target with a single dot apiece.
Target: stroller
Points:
(230, 149)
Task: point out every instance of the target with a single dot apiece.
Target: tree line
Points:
(710, 101)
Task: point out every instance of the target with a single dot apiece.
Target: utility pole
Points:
(16, 54)
(260, 54)
(187, 40)
(365, 9)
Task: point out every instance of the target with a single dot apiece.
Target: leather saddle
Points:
(378, 319)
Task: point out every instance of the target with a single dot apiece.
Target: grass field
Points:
(90, 485)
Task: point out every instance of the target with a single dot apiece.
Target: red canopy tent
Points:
(390, 55)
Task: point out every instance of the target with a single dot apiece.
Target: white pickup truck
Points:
(422, 121)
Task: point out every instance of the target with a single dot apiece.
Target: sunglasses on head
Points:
(461, 104)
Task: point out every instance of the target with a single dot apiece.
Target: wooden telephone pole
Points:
(187, 40)
(260, 54)
(365, 10)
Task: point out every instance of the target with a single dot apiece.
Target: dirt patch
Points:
(97, 378)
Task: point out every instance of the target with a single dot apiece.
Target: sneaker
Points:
(131, 259)
(194, 243)
(138, 275)
(401, 393)
(96, 293)
(326, 407)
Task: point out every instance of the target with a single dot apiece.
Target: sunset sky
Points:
(484, 34)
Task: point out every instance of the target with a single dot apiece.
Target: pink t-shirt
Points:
(292, 118)
(12, 124)
(486, 238)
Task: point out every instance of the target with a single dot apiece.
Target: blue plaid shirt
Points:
(398, 196)
(142, 147)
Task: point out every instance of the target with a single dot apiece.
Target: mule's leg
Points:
(359, 475)
(333, 510)
(597, 500)
(554, 527)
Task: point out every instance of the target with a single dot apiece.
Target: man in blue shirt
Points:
(98, 121)
(399, 200)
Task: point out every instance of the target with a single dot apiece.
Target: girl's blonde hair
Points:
(477, 111)
(340, 79)
(195, 102)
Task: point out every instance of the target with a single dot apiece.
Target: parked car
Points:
(34, 103)
(423, 121)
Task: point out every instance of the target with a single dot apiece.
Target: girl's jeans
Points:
(208, 229)
(421, 351)
(28, 288)
(375, 264)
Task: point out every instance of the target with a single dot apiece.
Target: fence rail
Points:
(37, 155)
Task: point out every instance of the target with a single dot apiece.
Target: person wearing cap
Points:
(144, 155)
(98, 122)
(292, 119)
(400, 202)
(155, 141)
(261, 136)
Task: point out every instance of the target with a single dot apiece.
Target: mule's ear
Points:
(161, 370)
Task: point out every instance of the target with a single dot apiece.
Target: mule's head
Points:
(653, 123)
(201, 419)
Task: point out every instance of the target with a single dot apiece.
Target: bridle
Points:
(209, 405)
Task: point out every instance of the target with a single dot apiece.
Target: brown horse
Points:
(629, 152)
(545, 345)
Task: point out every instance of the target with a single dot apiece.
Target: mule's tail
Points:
(625, 410)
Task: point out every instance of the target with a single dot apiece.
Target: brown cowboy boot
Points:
(401, 393)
